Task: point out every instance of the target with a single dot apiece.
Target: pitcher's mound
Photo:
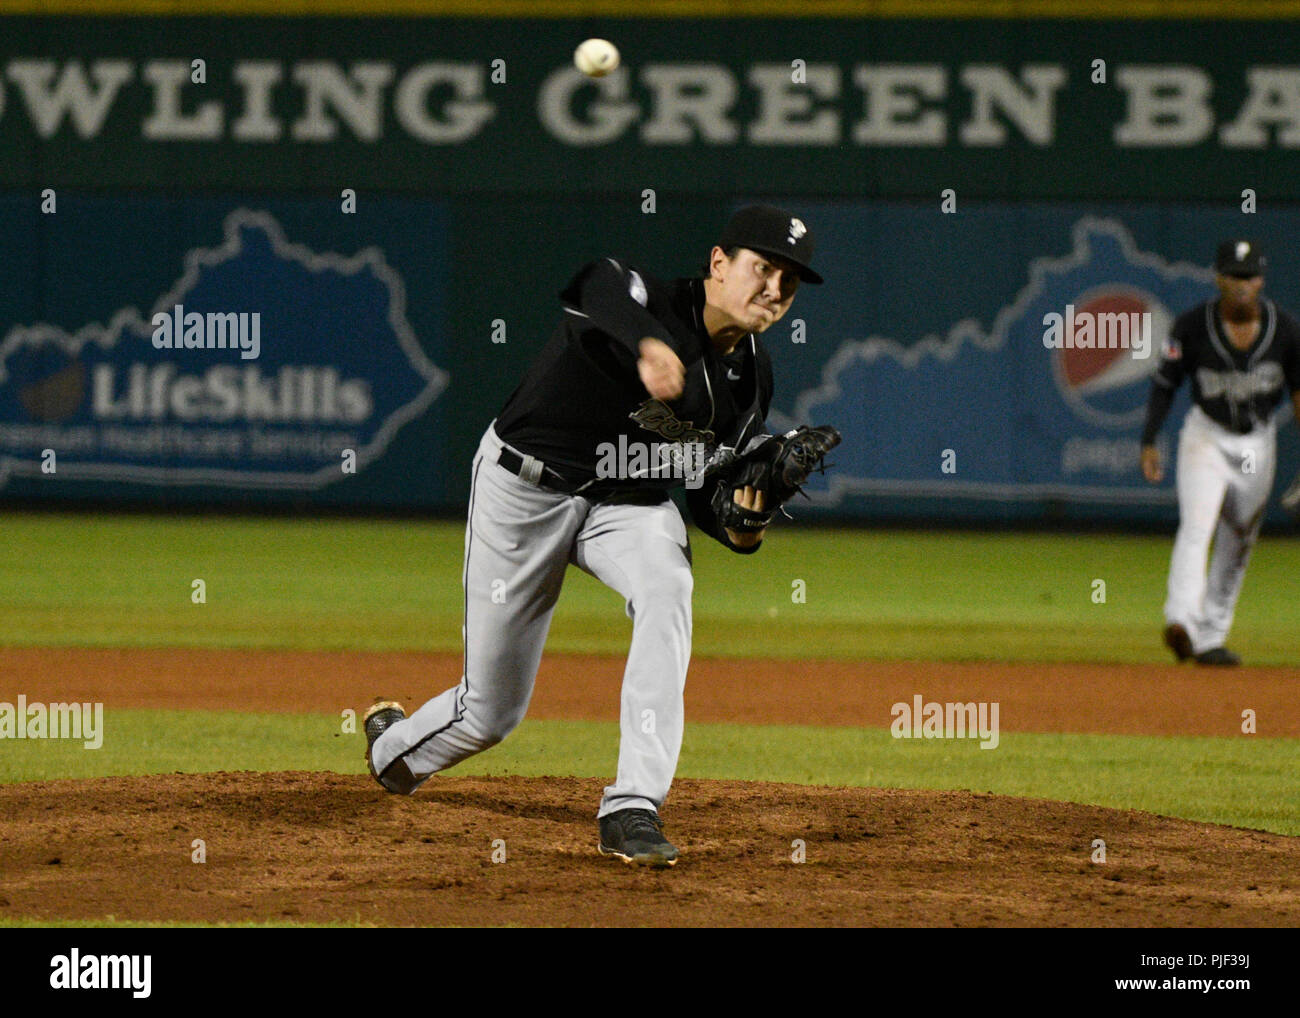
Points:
(332, 848)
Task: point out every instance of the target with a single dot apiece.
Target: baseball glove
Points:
(777, 466)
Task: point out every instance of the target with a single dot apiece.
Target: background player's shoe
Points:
(1218, 656)
(379, 717)
(636, 836)
(1177, 640)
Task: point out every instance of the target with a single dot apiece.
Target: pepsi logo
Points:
(1109, 337)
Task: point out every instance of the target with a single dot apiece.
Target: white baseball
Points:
(596, 57)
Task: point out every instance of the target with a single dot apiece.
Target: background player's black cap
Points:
(772, 231)
(1239, 258)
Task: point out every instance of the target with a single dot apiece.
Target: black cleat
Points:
(379, 717)
(636, 836)
(1177, 640)
(1220, 656)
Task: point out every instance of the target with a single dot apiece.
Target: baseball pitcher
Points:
(1241, 352)
(645, 386)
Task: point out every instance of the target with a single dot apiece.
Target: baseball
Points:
(596, 57)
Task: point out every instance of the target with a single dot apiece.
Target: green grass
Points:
(83, 580)
(1245, 782)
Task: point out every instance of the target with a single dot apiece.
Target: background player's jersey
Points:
(1237, 388)
(583, 391)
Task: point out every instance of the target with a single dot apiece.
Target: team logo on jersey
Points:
(1241, 386)
(655, 415)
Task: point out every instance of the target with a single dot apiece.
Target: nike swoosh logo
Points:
(732, 377)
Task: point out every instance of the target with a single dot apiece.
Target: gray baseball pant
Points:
(519, 539)
(1223, 484)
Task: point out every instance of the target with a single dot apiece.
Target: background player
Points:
(674, 367)
(1241, 353)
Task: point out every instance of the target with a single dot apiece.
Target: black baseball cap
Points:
(772, 231)
(1239, 258)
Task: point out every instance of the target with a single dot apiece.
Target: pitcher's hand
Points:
(660, 369)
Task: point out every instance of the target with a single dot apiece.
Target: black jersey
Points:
(583, 395)
(1237, 388)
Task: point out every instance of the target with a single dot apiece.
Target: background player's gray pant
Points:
(1223, 484)
(518, 542)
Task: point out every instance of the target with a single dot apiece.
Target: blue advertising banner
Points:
(992, 363)
(1004, 359)
(265, 363)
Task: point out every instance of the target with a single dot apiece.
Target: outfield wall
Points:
(398, 199)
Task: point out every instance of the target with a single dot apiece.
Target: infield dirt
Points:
(1119, 699)
(304, 847)
(323, 847)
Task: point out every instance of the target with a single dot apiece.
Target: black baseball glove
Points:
(777, 466)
